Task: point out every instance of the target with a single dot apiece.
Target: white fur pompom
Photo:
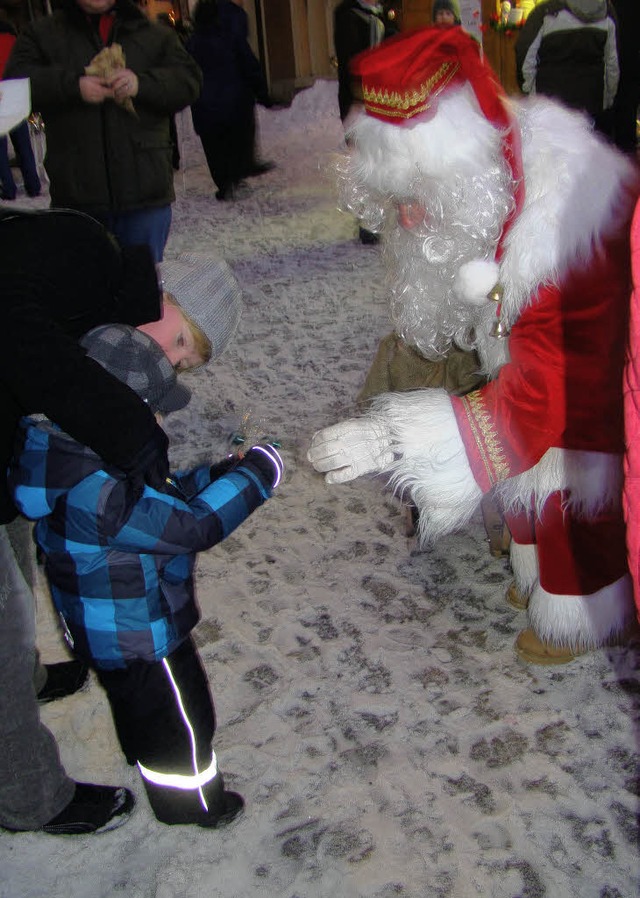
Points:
(475, 279)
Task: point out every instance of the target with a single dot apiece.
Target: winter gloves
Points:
(351, 448)
(265, 461)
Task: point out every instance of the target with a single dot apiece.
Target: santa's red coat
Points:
(562, 387)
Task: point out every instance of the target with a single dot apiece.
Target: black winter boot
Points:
(64, 678)
(182, 806)
(93, 809)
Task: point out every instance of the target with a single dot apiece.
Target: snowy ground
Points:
(370, 706)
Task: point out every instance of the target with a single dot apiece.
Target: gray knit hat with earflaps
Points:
(208, 292)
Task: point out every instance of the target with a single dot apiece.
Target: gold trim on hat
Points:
(406, 105)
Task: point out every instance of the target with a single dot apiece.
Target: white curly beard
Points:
(462, 223)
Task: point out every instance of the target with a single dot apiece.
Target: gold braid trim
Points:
(489, 445)
(396, 105)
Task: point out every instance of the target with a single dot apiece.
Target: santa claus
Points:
(506, 227)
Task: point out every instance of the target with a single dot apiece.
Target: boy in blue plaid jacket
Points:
(120, 560)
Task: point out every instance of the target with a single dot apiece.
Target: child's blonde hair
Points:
(200, 339)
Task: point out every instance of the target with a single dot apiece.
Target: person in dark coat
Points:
(358, 25)
(568, 50)
(109, 149)
(63, 274)
(19, 136)
(625, 106)
(224, 113)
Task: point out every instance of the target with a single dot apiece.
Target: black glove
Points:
(151, 464)
(266, 462)
(223, 467)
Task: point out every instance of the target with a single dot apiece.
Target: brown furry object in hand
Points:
(104, 64)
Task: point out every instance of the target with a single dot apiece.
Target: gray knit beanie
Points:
(208, 292)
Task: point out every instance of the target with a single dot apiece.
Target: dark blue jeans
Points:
(150, 226)
(26, 160)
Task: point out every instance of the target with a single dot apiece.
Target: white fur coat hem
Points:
(584, 622)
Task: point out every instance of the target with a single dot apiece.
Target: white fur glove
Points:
(352, 448)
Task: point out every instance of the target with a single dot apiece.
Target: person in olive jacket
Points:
(109, 150)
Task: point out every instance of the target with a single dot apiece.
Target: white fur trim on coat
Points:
(431, 463)
(584, 622)
(524, 564)
(593, 481)
(575, 187)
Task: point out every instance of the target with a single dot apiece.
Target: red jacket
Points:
(7, 40)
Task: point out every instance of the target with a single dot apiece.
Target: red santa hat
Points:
(402, 79)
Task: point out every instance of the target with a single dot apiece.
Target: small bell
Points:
(499, 330)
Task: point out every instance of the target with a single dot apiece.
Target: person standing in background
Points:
(257, 166)
(446, 13)
(19, 135)
(358, 25)
(109, 151)
(627, 101)
(568, 49)
(224, 114)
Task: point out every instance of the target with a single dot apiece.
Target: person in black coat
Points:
(107, 135)
(62, 275)
(627, 101)
(224, 114)
(358, 25)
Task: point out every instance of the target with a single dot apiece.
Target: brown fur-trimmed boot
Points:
(529, 647)
(515, 598)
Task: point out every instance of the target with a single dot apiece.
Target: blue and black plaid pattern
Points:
(139, 362)
(120, 564)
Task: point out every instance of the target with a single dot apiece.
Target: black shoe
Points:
(225, 193)
(259, 168)
(368, 237)
(93, 809)
(6, 195)
(63, 679)
(183, 807)
(231, 806)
